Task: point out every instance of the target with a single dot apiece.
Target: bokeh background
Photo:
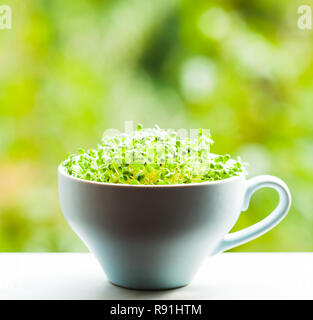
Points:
(71, 69)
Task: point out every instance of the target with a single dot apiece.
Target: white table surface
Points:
(226, 276)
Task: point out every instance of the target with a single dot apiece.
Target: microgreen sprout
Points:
(152, 157)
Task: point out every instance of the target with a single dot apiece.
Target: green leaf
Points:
(152, 156)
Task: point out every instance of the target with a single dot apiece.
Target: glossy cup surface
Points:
(151, 237)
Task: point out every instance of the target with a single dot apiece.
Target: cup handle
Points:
(234, 239)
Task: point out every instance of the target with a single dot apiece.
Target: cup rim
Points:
(148, 186)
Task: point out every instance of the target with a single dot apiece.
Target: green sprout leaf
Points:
(153, 157)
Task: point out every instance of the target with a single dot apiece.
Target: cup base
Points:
(148, 288)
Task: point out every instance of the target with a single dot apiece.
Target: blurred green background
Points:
(69, 70)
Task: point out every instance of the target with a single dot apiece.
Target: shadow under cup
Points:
(156, 237)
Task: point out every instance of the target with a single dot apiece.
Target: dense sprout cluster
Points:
(152, 157)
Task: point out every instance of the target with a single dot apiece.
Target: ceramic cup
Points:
(156, 237)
